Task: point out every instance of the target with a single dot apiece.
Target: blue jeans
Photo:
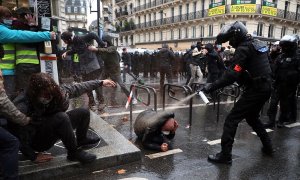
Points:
(9, 148)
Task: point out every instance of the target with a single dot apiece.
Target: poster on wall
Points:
(243, 6)
(269, 8)
(216, 8)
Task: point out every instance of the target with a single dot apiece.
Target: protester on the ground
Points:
(251, 69)
(47, 104)
(156, 130)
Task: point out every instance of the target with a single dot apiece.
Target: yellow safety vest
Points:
(26, 54)
(76, 58)
(8, 61)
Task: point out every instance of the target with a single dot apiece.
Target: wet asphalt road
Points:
(248, 160)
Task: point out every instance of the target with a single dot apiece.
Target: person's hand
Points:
(207, 88)
(108, 83)
(93, 48)
(43, 157)
(126, 66)
(64, 55)
(27, 121)
(164, 147)
(53, 35)
(30, 19)
(204, 51)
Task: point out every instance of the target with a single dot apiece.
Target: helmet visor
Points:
(225, 34)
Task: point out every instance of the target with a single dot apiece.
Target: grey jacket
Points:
(8, 110)
(88, 60)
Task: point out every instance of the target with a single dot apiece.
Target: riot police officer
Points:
(252, 69)
(287, 76)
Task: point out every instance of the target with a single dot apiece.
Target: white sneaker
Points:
(134, 101)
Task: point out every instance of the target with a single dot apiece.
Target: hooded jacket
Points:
(38, 112)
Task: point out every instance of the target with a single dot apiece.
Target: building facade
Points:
(106, 22)
(76, 13)
(180, 23)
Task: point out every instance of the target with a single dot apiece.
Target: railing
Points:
(151, 4)
(134, 88)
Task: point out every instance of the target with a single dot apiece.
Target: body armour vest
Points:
(258, 65)
(287, 69)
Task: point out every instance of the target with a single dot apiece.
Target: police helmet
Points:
(66, 36)
(234, 33)
(289, 43)
(165, 46)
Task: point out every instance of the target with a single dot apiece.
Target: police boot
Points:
(269, 124)
(280, 124)
(267, 148)
(220, 158)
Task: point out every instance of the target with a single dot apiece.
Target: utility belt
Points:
(262, 82)
(262, 79)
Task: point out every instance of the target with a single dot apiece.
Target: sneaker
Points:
(88, 141)
(134, 101)
(82, 157)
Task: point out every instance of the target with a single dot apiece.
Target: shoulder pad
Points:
(260, 46)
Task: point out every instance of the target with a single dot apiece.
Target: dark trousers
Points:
(116, 78)
(165, 71)
(93, 76)
(23, 74)
(247, 107)
(9, 148)
(273, 106)
(128, 71)
(10, 86)
(212, 77)
(60, 126)
(288, 103)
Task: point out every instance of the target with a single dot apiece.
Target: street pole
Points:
(98, 18)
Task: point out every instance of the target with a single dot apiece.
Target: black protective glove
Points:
(208, 88)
